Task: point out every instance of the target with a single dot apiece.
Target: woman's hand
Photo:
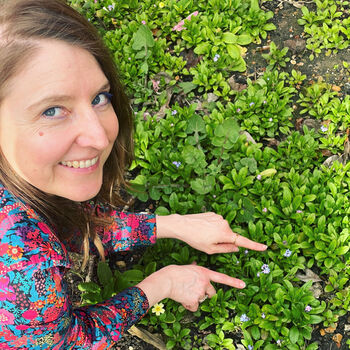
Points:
(186, 284)
(207, 232)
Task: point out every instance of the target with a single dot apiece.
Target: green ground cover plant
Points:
(200, 146)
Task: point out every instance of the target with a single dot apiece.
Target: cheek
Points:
(42, 151)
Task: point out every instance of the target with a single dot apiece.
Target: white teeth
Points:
(81, 164)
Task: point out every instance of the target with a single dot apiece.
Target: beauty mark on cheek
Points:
(41, 133)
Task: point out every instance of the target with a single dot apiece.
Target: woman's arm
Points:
(186, 284)
(36, 313)
(207, 232)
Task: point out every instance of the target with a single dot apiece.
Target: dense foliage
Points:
(201, 145)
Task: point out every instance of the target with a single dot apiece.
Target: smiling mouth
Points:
(80, 164)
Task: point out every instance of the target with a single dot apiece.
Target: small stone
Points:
(212, 97)
(312, 124)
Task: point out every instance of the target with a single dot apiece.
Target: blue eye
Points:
(52, 112)
(102, 99)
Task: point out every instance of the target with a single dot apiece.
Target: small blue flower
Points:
(177, 164)
(263, 315)
(287, 253)
(324, 128)
(216, 57)
(308, 308)
(278, 342)
(270, 119)
(173, 112)
(258, 177)
(244, 318)
(246, 251)
(111, 7)
(258, 274)
(238, 109)
(250, 347)
(264, 101)
(251, 104)
(265, 269)
(299, 211)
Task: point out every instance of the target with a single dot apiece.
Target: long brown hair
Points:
(23, 23)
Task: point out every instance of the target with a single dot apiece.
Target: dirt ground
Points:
(290, 34)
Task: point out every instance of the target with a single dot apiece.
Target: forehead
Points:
(54, 65)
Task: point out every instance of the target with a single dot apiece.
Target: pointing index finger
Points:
(219, 277)
(244, 242)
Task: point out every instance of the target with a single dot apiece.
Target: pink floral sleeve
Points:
(126, 232)
(35, 310)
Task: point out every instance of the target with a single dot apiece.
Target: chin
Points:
(82, 196)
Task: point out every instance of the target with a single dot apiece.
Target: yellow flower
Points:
(161, 5)
(158, 309)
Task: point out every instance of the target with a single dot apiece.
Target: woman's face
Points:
(57, 125)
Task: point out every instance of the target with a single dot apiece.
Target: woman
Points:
(65, 140)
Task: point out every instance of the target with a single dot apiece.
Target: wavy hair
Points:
(23, 24)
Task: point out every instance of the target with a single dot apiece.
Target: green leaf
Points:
(90, 287)
(104, 273)
(320, 256)
(133, 275)
(297, 201)
(170, 344)
(269, 26)
(162, 211)
(203, 186)
(195, 124)
(276, 211)
(333, 188)
(268, 172)
(342, 250)
(154, 193)
(173, 201)
(143, 38)
(244, 39)
(309, 198)
(255, 332)
(234, 51)
(229, 38)
(202, 48)
(287, 196)
(294, 334)
(314, 319)
(254, 5)
(187, 86)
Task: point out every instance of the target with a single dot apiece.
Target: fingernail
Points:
(242, 284)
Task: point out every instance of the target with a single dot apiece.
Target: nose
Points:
(91, 130)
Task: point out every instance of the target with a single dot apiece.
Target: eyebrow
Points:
(54, 99)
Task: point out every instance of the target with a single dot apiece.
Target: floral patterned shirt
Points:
(35, 310)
